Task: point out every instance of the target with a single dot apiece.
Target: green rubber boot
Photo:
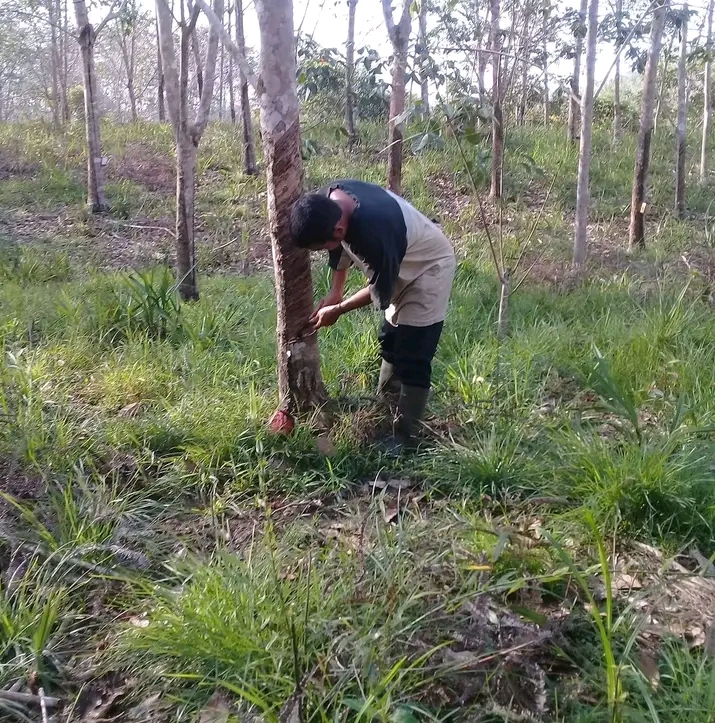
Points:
(388, 385)
(410, 410)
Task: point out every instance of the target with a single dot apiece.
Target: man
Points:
(410, 265)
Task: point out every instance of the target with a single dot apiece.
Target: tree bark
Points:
(300, 384)
(497, 118)
(576, 77)
(617, 122)
(682, 118)
(96, 198)
(707, 98)
(399, 37)
(424, 58)
(250, 166)
(349, 74)
(636, 235)
(584, 159)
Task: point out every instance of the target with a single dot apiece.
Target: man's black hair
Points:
(313, 219)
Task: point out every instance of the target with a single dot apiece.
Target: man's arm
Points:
(337, 286)
(328, 315)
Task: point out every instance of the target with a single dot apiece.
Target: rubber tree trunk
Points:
(707, 98)
(55, 58)
(682, 118)
(300, 385)
(161, 107)
(573, 120)
(96, 198)
(424, 58)
(250, 168)
(636, 234)
(187, 134)
(545, 51)
(497, 117)
(231, 97)
(617, 121)
(584, 158)
(349, 74)
(128, 48)
(399, 37)
(64, 58)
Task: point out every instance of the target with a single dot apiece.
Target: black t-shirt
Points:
(376, 233)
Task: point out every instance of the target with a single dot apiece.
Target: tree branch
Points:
(240, 58)
(168, 59)
(202, 115)
(111, 16)
(389, 20)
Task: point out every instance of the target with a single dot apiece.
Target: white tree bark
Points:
(96, 197)
(300, 384)
(399, 37)
(636, 234)
(584, 160)
(682, 117)
(576, 76)
(187, 134)
(707, 98)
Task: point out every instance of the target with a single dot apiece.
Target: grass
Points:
(216, 561)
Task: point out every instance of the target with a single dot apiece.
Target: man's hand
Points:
(332, 298)
(325, 316)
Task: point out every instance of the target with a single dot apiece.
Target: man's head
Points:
(317, 222)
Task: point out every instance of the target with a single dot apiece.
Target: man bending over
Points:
(410, 267)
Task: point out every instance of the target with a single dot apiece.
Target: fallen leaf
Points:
(390, 514)
(216, 710)
(710, 641)
(649, 667)
(130, 410)
(325, 445)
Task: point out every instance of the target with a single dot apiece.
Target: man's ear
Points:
(341, 228)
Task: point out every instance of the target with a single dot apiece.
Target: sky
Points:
(326, 22)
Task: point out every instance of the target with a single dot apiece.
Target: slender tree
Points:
(187, 134)
(584, 159)
(423, 56)
(545, 52)
(636, 235)
(617, 122)
(299, 381)
(250, 167)
(399, 37)
(231, 97)
(707, 96)
(682, 117)
(160, 105)
(87, 35)
(497, 117)
(349, 74)
(574, 99)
